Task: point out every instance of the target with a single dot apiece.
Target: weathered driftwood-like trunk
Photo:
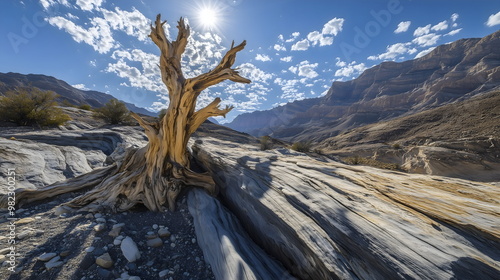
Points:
(155, 174)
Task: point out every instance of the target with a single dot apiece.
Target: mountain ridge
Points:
(451, 72)
(11, 80)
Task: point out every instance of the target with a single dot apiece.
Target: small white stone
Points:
(117, 242)
(97, 215)
(172, 245)
(120, 225)
(163, 273)
(193, 240)
(89, 249)
(134, 278)
(50, 265)
(155, 242)
(100, 220)
(104, 261)
(155, 226)
(130, 250)
(25, 233)
(163, 232)
(99, 227)
(46, 257)
(62, 210)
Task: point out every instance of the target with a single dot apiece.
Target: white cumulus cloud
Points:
(493, 20)
(427, 40)
(279, 48)
(394, 51)
(286, 59)
(402, 27)
(305, 69)
(89, 5)
(440, 26)
(98, 35)
(80, 86)
(301, 45)
(422, 30)
(262, 57)
(349, 69)
(333, 27)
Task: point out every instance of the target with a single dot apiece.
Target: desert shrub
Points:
(66, 103)
(31, 106)
(266, 143)
(357, 160)
(318, 151)
(86, 107)
(113, 112)
(303, 147)
(162, 113)
(396, 146)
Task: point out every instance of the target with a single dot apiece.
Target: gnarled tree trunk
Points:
(155, 174)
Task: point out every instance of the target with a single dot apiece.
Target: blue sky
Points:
(295, 48)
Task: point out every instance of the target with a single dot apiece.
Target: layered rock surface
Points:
(326, 220)
(458, 140)
(44, 157)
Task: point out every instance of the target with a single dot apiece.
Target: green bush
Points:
(162, 113)
(31, 106)
(86, 107)
(113, 112)
(265, 143)
(303, 147)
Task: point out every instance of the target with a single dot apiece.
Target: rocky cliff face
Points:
(451, 72)
(9, 81)
(457, 140)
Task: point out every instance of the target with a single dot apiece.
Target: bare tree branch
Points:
(220, 73)
(211, 110)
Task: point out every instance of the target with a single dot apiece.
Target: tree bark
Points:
(155, 174)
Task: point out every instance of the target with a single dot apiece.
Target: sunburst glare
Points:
(209, 16)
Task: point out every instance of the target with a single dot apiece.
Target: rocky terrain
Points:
(9, 81)
(458, 140)
(280, 214)
(450, 73)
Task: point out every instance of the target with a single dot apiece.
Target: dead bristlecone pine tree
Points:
(155, 174)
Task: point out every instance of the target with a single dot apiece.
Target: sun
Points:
(209, 16)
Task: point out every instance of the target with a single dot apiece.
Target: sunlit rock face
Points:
(451, 72)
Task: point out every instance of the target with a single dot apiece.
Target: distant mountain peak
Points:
(450, 72)
(9, 81)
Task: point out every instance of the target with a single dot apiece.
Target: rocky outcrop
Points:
(225, 244)
(44, 157)
(9, 81)
(451, 72)
(459, 140)
(326, 220)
